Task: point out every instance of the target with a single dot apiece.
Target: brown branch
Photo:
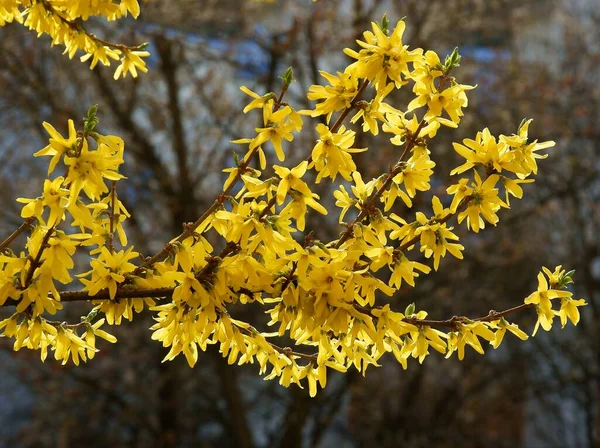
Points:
(338, 123)
(453, 321)
(16, 233)
(283, 350)
(190, 229)
(368, 206)
(265, 211)
(124, 293)
(111, 232)
(412, 140)
(78, 28)
(35, 263)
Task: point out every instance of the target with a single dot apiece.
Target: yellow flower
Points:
(374, 110)
(88, 170)
(486, 151)
(108, 270)
(331, 155)
(55, 197)
(131, 62)
(99, 53)
(468, 334)
(428, 69)
(258, 102)
(297, 207)
(278, 127)
(568, 310)
(383, 56)
(415, 174)
(58, 144)
(435, 241)
(404, 269)
(542, 298)
(525, 154)
(290, 180)
(484, 200)
(451, 100)
(425, 337)
(504, 325)
(337, 96)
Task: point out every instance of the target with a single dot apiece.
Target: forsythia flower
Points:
(331, 155)
(55, 197)
(337, 96)
(258, 102)
(59, 145)
(383, 56)
(484, 200)
(131, 62)
(108, 270)
(278, 127)
(542, 298)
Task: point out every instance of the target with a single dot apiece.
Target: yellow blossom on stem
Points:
(258, 101)
(337, 96)
(55, 198)
(108, 270)
(503, 326)
(290, 180)
(331, 155)
(131, 62)
(59, 145)
(383, 56)
(483, 201)
(278, 127)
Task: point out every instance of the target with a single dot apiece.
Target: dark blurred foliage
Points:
(535, 59)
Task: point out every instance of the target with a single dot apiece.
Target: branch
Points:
(218, 202)
(35, 263)
(4, 245)
(78, 28)
(111, 232)
(366, 208)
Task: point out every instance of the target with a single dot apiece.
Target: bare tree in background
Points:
(177, 123)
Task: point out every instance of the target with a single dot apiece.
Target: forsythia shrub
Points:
(325, 296)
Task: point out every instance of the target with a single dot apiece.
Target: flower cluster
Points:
(61, 20)
(328, 298)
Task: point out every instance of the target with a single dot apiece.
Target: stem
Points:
(375, 197)
(111, 232)
(16, 233)
(35, 263)
(78, 28)
(191, 228)
(453, 321)
(338, 123)
(284, 350)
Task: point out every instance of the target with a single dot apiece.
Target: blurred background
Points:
(530, 59)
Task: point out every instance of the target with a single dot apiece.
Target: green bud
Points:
(288, 77)
(565, 279)
(410, 310)
(452, 60)
(91, 120)
(384, 24)
(91, 316)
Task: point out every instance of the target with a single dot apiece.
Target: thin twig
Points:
(35, 263)
(26, 224)
(111, 233)
(191, 228)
